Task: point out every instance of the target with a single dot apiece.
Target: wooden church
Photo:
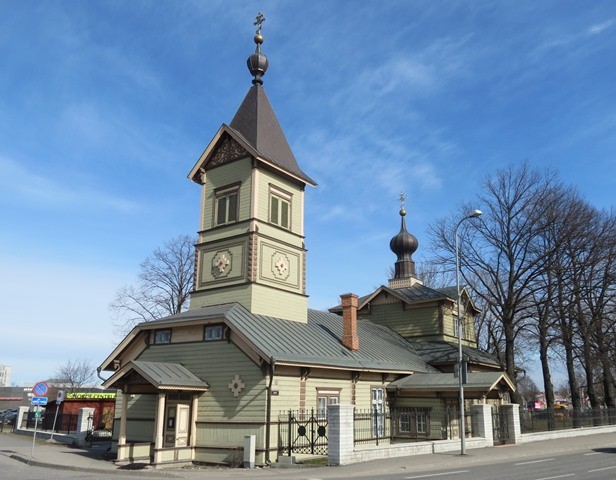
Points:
(191, 386)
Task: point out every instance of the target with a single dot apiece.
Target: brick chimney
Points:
(349, 316)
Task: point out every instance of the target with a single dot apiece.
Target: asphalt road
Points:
(583, 465)
(591, 457)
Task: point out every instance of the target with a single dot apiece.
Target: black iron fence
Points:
(305, 432)
(398, 425)
(65, 423)
(563, 418)
(301, 431)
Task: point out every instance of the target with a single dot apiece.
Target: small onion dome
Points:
(257, 62)
(404, 245)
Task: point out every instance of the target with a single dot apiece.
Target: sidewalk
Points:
(96, 460)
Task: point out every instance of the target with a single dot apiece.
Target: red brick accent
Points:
(349, 316)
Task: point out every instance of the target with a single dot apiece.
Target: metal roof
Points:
(256, 122)
(448, 381)
(162, 375)
(441, 352)
(317, 342)
(414, 294)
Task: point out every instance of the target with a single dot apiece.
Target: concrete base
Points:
(286, 460)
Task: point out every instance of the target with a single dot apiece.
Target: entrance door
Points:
(183, 416)
(177, 425)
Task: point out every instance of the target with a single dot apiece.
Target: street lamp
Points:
(473, 214)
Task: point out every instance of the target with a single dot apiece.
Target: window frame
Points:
(156, 340)
(331, 396)
(417, 420)
(377, 403)
(281, 197)
(225, 193)
(217, 327)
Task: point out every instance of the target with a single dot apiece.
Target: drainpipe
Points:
(98, 374)
(268, 420)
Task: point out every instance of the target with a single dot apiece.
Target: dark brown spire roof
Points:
(256, 122)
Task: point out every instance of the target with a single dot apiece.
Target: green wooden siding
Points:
(217, 363)
(408, 323)
(231, 293)
(278, 303)
(141, 411)
(237, 171)
(450, 333)
(265, 179)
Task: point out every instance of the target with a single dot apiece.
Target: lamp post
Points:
(473, 214)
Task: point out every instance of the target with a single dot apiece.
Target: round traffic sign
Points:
(40, 389)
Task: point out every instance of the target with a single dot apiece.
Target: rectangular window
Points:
(213, 332)
(226, 205)
(378, 412)
(405, 422)
(325, 398)
(280, 208)
(162, 336)
(414, 421)
(422, 423)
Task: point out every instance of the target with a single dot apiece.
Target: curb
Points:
(116, 471)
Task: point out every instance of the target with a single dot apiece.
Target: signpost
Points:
(59, 398)
(39, 399)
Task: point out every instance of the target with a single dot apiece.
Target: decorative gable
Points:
(227, 151)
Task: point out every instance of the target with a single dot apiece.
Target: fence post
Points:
(512, 412)
(312, 419)
(341, 439)
(481, 416)
(289, 432)
(82, 426)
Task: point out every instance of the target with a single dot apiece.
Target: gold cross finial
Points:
(402, 200)
(259, 22)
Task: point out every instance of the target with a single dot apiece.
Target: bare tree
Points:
(165, 282)
(499, 251)
(528, 389)
(75, 374)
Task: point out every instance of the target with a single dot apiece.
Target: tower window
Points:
(226, 205)
(280, 208)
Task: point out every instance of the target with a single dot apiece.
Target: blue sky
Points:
(105, 106)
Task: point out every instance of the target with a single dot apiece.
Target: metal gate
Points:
(302, 432)
(500, 426)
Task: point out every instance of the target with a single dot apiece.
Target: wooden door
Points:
(182, 425)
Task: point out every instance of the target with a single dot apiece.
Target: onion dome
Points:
(404, 245)
(257, 62)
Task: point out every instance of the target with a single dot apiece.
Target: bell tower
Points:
(251, 248)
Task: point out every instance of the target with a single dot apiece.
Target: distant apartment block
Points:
(5, 376)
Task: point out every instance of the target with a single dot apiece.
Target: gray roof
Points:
(415, 294)
(441, 352)
(256, 122)
(162, 375)
(317, 342)
(448, 381)
(451, 292)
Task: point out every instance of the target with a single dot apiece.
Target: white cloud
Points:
(600, 27)
(32, 187)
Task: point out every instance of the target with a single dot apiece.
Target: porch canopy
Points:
(479, 385)
(151, 377)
